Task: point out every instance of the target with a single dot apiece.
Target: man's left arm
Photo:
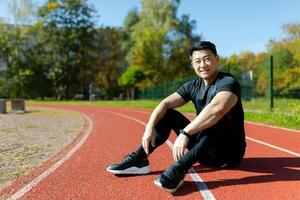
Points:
(209, 116)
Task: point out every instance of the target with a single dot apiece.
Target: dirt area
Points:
(27, 140)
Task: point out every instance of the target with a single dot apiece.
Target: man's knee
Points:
(173, 119)
(171, 113)
(168, 115)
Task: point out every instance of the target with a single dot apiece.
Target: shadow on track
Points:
(272, 170)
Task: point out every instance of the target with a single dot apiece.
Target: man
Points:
(216, 136)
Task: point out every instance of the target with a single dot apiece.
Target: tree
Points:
(232, 65)
(130, 78)
(149, 36)
(4, 52)
(293, 31)
(15, 37)
(159, 41)
(71, 31)
(130, 21)
(286, 54)
(111, 61)
(260, 74)
(180, 39)
(38, 62)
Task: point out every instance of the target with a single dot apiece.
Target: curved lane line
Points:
(51, 169)
(204, 191)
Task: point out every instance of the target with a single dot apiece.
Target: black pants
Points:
(212, 146)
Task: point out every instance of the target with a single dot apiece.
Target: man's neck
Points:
(211, 79)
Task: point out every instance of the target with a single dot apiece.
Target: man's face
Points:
(205, 63)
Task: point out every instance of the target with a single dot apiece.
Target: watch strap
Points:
(181, 131)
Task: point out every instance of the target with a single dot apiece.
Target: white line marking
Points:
(273, 146)
(44, 175)
(258, 141)
(275, 127)
(204, 191)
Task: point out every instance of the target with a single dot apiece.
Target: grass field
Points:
(286, 112)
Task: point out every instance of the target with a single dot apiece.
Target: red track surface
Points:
(265, 173)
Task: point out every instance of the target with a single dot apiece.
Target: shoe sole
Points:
(131, 170)
(156, 182)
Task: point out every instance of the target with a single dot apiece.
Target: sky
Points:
(234, 26)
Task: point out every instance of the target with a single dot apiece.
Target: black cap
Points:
(203, 45)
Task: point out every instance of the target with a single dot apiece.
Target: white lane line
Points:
(255, 140)
(44, 175)
(273, 146)
(275, 127)
(204, 191)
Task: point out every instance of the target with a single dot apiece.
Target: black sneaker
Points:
(131, 164)
(171, 179)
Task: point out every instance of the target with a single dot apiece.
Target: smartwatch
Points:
(181, 131)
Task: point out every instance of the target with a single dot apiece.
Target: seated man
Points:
(216, 136)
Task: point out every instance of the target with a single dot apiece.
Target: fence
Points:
(163, 90)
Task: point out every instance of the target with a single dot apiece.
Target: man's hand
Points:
(179, 146)
(147, 138)
(172, 101)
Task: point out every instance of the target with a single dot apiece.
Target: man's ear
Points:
(218, 57)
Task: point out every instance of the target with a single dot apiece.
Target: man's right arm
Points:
(172, 101)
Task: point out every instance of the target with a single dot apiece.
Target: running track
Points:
(270, 170)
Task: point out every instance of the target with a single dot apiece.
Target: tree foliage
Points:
(159, 41)
(14, 37)
(130, 79)
(63, 53)
(70, 39)
(111, 61)
(132, 76)
(286, 53)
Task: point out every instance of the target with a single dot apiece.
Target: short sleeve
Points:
(230, 84)
(185, 91)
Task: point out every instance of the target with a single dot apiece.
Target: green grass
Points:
(285, 114)
(281, 105)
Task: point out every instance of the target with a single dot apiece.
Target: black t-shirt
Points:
(201, 95)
